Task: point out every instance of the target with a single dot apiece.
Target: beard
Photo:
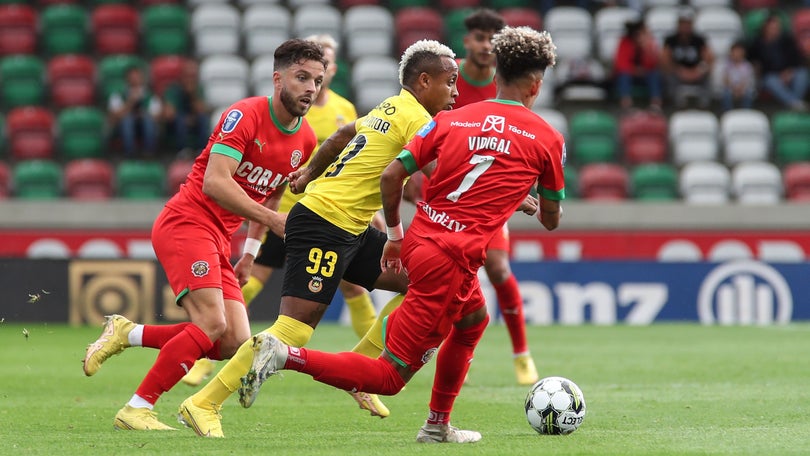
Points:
(291, 104)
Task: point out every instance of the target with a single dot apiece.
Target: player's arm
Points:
(326, 154)
(391, 184)
(550, 213)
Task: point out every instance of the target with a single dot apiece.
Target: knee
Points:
(214, 326)
(498, 271)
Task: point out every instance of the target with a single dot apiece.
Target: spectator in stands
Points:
(636, 62)
(780, 64)
(739, 80)
(134, 113)
(687, 62)
(185, 111)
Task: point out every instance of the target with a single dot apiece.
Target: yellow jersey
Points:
(348, 193)
(325, 120)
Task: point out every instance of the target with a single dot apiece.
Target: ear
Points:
(277, 79)
(535, 87)
(424, 80)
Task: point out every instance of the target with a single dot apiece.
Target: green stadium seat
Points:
(594, 137)
(654, 182)
(342, 82)
(571, 182)
(5, 181)
(396, 5)
(81, 133)
(112, 73)
(37, 179)
(454, 29)
(165, 30)
(503, 4)
(791, 136)
(64, 29)
(141, 180)
(23, 81)
(753, 20)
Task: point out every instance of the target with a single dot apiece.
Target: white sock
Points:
(136, 336)
(139, 402)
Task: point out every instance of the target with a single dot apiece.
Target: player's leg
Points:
(361, 308)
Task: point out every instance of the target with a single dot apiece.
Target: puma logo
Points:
(260, 144)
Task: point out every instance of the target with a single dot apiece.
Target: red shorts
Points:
(194, 256)
(501, 240)
(440, 292)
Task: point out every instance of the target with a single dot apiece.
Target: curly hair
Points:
(520, 51)
(424, 56)
(297, 50)
(484, 19)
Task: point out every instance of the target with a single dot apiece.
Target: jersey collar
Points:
(278, 125)
(470, 80)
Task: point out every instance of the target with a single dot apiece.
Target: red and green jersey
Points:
(488, 156)
(470, 91)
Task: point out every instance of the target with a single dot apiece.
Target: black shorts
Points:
(319, 255)
(272, 252)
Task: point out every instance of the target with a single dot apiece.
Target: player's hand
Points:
(298, 180)
(529, 205)
(242, 269)
(390, 260)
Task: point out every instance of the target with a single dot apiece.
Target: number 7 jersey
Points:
(489, 155)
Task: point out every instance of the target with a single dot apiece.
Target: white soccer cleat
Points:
(266, 350)
(445, 433)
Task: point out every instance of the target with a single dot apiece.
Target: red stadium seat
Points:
(72, 80)
(414, 24)
(644, 137)
(346, 4)
(603, 181)
(5, 181)
(177, 173)
(748, 5)
(115, 29)
(45, 3)
(147, 3)
(89, 179)
(459, 4)
(801, 29)
(164, 70)
(797, 181)
(31, 133)
(517, 17)
(18, 29)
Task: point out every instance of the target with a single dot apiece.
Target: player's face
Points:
(299, 85)
(478, 44)
(441, 93)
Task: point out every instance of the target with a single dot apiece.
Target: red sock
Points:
(511, 304)
(452, 364)
(156, 336)
(173, 362)
(348, 371)
(214, 353)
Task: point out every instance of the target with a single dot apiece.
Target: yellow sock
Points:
(371, 344)
(362, 313)
(291, 331)
(228, 379)
(252, 289)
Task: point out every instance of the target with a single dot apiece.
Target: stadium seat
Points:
(72, 80)
(112, 73)
(658, 3)
(501, 5)
(264, 28)
(37, 179)
(368, 31)
(115, 29)
(244, 4)
(603, 181)
(165, 30)
(698, 4)
(546, 98)
(454, 29)
(572, 30)
(554, 118)
(196, 3)
(522, 16)
(18, 30)
(81, 133)
(654, 182)
(693, 136)
(64, 29)
(571, 176)
(316, 19)
(140, 180)
(721, 26)
(295, 4)
(661, 21)
(343, 5)
(5, 181)
(89, 179)
(23, 81)
(447, 5)
(753, 21)
(30, 132)
(342, 81)
(791, 136)
(797, 181)
(757, 183)
(801, 29)
(165, 70)
(216, 29)
(609, 24)
(746, 135)
(224, 79)
(396, 5)
(593, 137)
(261, 76)
(581, 80)
(644, 137)
(374, 79)
(414, 24)
(705, 182)
(177, 173)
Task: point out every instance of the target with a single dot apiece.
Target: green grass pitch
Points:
(667, 389)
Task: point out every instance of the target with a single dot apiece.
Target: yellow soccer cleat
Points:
(372, 403)
(199, 372)
(525, 371)
(139, 419)
(113, 340)
(206, 422)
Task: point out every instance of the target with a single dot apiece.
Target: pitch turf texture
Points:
(657, 390)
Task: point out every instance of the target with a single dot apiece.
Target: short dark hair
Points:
(484, 19)
(295, 50)
(521, 51)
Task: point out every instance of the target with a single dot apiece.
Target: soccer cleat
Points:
(372, 403)
(205, 421)
(444, 433)
(139, 419)
(113, 340)
(525, 371)
(199, 372)
(266, 348)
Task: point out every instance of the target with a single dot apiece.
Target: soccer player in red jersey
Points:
(240, 175)
(488, 157)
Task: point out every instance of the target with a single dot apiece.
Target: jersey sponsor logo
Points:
(231, 120)
(315, 284)
(259, 178)
(494, 123)
(377, 124)
(200, 268)
(465, 124)
(489, 143)
(443, 219)
(426, 128)
(520, 132)
(295, 158)
(429, 355)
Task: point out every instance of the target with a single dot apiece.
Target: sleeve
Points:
(419, 151)
(235, 131)
(552, 179)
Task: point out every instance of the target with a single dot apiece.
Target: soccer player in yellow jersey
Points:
(328, 237)
(329, 112)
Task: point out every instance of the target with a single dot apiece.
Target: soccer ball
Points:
(555, 405)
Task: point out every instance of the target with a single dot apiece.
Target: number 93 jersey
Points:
(348, 193)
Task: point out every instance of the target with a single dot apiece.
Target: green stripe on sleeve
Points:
(229, 151)
(408, 161)
(559, 195)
